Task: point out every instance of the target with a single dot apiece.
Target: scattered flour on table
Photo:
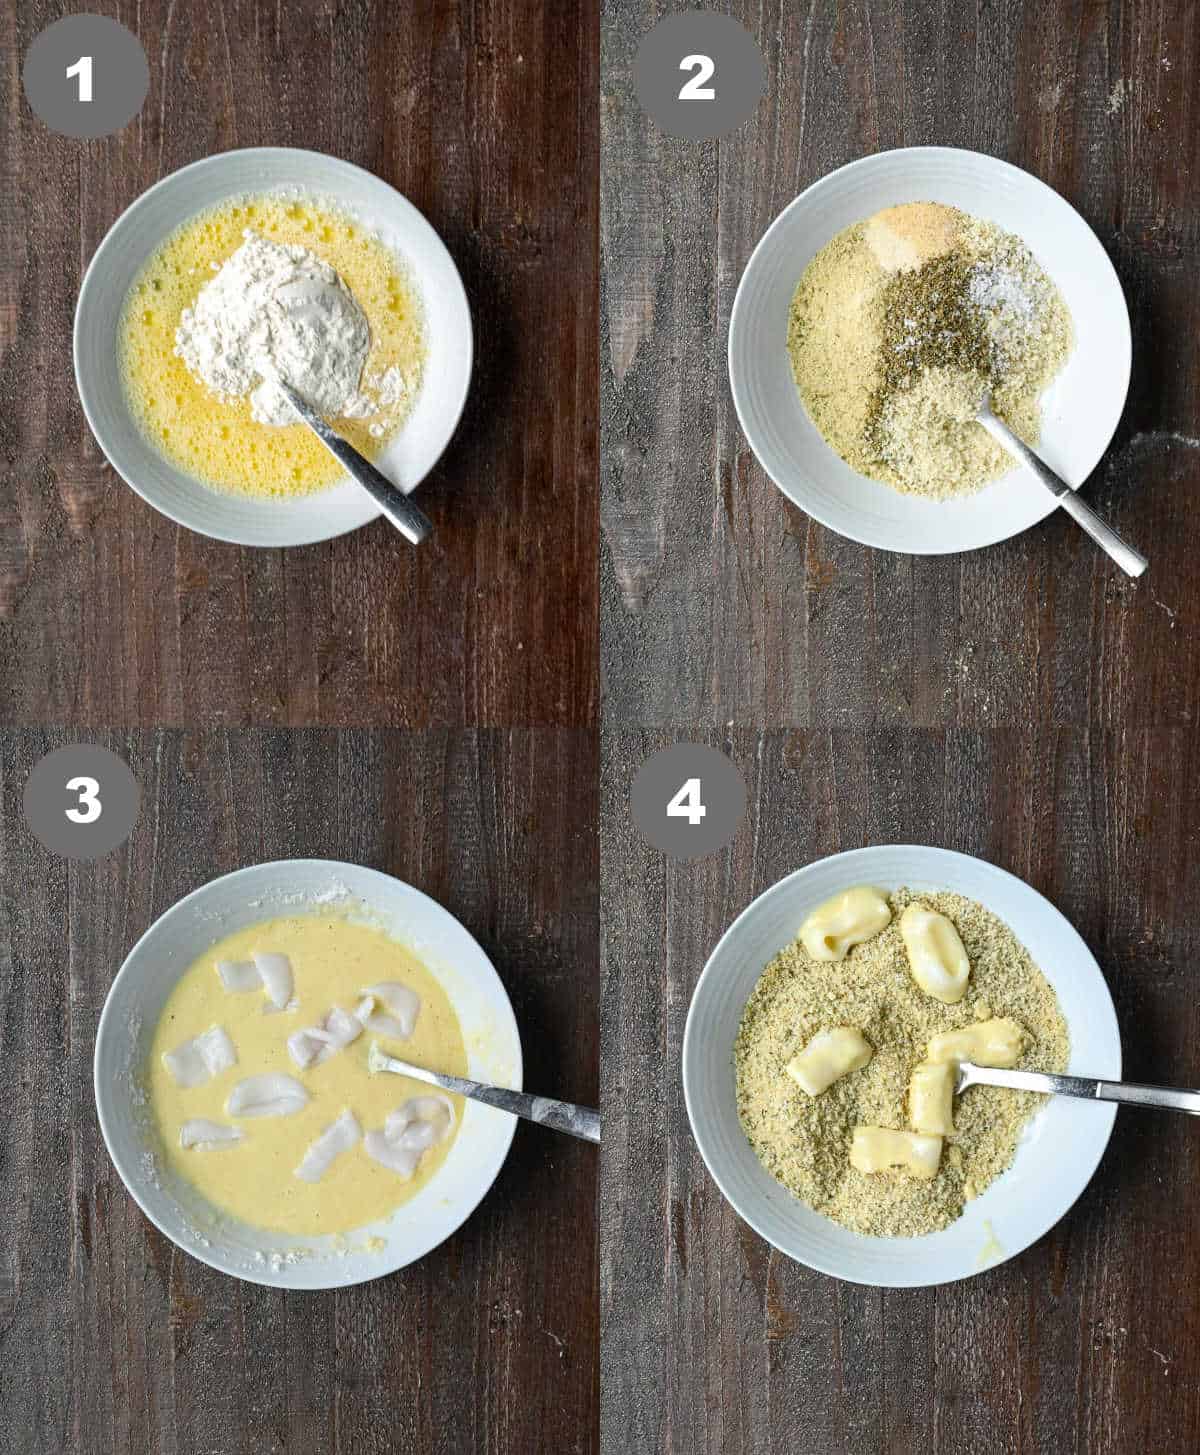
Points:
(276, 310)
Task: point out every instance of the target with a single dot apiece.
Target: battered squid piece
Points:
(238, 976)
(998, 1042)
(833, 929)
(200, 1059)
(273, 1094)
(315, 1044)
(877, 1149)
(277, 979)
(421, 1123)
(401, 1008)
(338, 1137)
(935, 952)
(202, 1133)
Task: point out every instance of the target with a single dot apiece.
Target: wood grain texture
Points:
(483, 113)
(722, 602)
(112, 1342)
(1090, 1341)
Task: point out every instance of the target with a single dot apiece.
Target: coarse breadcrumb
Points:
(897, 331)
(804, 1141)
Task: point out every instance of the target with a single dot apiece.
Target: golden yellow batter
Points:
(219, 443)
(332, 959)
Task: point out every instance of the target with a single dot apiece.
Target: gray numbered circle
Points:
(688, 800)
(81, 801)
(86, 76)
(699, 74)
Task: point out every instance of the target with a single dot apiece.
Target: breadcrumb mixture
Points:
(804, 1141)
(899, 328)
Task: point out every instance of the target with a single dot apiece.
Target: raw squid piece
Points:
(238, 976)
(401, 1007)
(275, 971)
(315, 1044)
(422, 1122)
(200, 1132)
(273, 1094)
(400, 1160)
(434, 1112)
(200, 1059)
(338, 1137)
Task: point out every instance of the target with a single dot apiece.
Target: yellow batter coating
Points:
(219, 443)
(332, 959)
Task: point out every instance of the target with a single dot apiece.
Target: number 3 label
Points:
(695, 89)
(687, 804)
(89, 807)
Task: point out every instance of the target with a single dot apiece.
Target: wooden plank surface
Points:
(483, 113)
(722, 602)
(112, 1342)
(1088, 1342)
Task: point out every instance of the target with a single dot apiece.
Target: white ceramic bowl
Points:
(408, 457)
(1061, 1147)
(172, 943)
(1080, 410)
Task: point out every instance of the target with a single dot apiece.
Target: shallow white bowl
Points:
(1062, 1144)
(408, 457)
(172, 943)
(1080, 410)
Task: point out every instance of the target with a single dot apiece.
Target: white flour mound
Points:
(279, 310)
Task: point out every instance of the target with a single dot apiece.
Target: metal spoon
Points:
(563, 1116)
(1132, 1093)
(413, 524)
(1132, 562)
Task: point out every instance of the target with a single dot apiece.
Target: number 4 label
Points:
(687, 804)
(83, 69)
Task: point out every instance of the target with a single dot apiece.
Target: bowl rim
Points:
(266, 1276)
(699, 1133)
(367, 510)
(741, 408)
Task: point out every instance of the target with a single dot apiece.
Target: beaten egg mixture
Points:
(218, 442)
(254, 1179)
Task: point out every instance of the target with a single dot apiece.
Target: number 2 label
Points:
(695, 89)
(83, 69)
(89, 807)
(687, 804)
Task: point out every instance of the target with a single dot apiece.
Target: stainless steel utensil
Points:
(413, 524)
(1132, 562)
(562, 1116)
(1130, 1093)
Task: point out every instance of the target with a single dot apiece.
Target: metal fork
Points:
(1130, 1093)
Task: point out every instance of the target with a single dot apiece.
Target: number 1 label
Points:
(83, 69)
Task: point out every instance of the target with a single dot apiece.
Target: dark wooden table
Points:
(720, 600)
(429, 713)
(484, 115)
(112, 1341)
(1022, 703)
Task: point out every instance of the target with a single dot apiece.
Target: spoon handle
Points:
(1132, 562)
(1131, 1093)
(562, 1116)
(413, 524)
